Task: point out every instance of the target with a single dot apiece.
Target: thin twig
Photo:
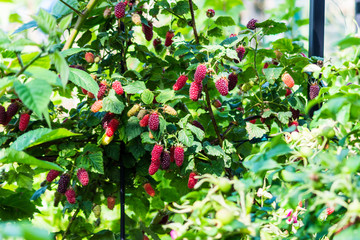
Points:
(76, 11)
(70, 223)
(212, 114)
(78, 24)
(19, 59)
(28, 65)
(193, 21)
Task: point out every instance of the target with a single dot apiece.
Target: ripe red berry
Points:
(294, 123)
(154, 121)
(210, 13)
(156, 153)
(165, 160)
(252, 24)
(96, 106)
(241, 52)
(222, 86)
(107, 118)
(217, 103)
(24, 121)
(253, 121)
(70, 196)
(180, 82)
(111, 202)
(266, 65)
(148, 31)
(154, 167)
(144, 121)
(2, 115)
(149, 190)
(198, 125)
(172, 151)
(195, 91)
(52, 174)
(192, 181)
(90, 95)
(168, 38)
(200, 73)
(288, 92)
(288, 80)
(63, 183)
(83, 176)
(102, 91)
(233, 80)
(179, 155)
(84, 91)
(156, 42)
(89, 57)
(118, 87)
(112, 127)
(330, 210)
(314, 90)
(119, 10)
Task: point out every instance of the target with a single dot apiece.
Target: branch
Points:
(28, 65)
(78, 24)
(70, 223)
(212, 114)
(193, 21)
(76, 11)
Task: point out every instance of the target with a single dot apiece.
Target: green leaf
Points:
(65, 22)
(215, 32)
(271, 74)
(72, 51)
(135, 87)
(283, 44)
(181, 7)
(348, 42)
(254, 131)
(133, 128)
(45, 21)
(284, 117)
(39, 136)
(92, 159)
(270, 27)
(59, 9)
(225, 21)
(9, 155)
(35, 94)
(147, 97)
(84, 80)
(186, 137)
(103, 235)
(61, 66)
(200, 134)
(112, 104)
(44, 74)
(165, 95)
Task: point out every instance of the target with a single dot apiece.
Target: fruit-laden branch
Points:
(78, 24)
(193, 21)
(212, 114)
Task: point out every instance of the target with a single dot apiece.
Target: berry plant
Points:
(181, 130)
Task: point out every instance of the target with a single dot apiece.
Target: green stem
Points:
(78, 24)
(28, 65)
(76, 11)
(70, 223)
(257, 73)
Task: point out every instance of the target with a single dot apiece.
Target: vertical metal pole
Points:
(316, 38)
(122, 200)
(317, 28)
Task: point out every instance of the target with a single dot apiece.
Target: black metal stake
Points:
(316, 36)
(122, 200)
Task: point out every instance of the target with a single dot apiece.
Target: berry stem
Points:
(78, 24)
(70, 222)
(76, 11)
(193, 21)
(212, 114)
